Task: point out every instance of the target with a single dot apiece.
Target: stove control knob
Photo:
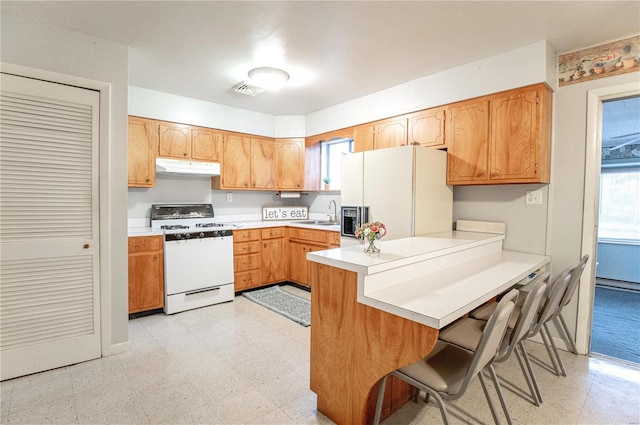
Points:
(187, 236)
(201, 234)
(178, 236)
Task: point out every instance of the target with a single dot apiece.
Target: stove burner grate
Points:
(209, 225)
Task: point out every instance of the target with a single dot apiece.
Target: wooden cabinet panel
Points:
(272, 232)
(390, 133)
(142, 143)
(290, 156)
(243, 263)
(247, 280)
(143, 243)
(298, 269)
(146, 273)
(206, 144)
(241, 248)
(246, 235)
(363, 138)
(333, 239)
(263, 167)
(427, 128)
(235, 167)
(513, 132)
(175, 141)
(468, 142)
(272, 265)
(308, 235)
(312, 164)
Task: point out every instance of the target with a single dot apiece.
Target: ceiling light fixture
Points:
(268, 78)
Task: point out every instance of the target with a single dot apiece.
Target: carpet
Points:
(616, 324)
(288, 305)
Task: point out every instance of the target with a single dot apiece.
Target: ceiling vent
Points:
(248, 89)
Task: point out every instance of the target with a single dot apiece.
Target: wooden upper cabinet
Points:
(290, 159)
(175, 141)
(363, 138)
(468, 139)
(263, 166)
(380, 134)
(519, 146)
(312, 164)
(142, 143)
(390, 133)
(502, 138)
(235, 168)
(206, 144)
(427, 128)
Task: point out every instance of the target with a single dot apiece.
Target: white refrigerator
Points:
(405, 188)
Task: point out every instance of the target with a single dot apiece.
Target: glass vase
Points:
(371, 246)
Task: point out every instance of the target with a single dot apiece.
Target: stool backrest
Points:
(575, 280)
(551, 306)
(528, 313)
(491, 339)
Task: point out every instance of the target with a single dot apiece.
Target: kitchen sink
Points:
(317, 222)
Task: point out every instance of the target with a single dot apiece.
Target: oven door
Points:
(195, 264)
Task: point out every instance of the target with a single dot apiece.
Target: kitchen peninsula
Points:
(371, 314)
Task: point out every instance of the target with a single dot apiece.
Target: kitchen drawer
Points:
(242, 263)
(333, 238)
(246, 235)
(309, 235)
(145, 243)
(246, 280)
(246, 247)
(273, 232)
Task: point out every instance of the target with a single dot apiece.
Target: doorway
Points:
(617, 278)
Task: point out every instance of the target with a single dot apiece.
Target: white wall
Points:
(526, 224)
(516, 68)
(71, 57)
(245, 204)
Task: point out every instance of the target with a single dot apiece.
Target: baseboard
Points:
(118, 348)
(560, 343)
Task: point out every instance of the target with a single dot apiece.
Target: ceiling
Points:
(334, 51)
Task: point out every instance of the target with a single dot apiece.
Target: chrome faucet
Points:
(335, 211)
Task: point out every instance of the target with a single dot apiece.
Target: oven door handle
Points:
(199, 291)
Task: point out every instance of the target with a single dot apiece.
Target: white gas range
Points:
(198, 256)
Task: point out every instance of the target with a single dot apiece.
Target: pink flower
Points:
(374, 229)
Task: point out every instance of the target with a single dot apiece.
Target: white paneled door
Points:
(49, 262)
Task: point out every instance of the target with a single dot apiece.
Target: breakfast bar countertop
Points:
(437, 278)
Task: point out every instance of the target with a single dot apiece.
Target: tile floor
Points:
(239, 363)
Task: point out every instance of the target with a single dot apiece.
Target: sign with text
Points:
(285, 213)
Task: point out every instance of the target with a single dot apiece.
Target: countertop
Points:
(434, 279)
(401, 252)
(240, 225)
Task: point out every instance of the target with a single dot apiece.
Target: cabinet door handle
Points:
(184, 154)
(85, 246)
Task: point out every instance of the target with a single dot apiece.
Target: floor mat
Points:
(289, 305)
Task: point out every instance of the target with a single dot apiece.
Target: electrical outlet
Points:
(229, 197)
(534, 197)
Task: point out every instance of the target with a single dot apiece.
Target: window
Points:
(330, 164)
(620, 205)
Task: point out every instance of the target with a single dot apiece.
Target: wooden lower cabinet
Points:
(246, 259)
(301, 242)
(272, 255)
(276, 254)
(146, 273)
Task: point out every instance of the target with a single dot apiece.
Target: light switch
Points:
(229, 197)
(534, 197)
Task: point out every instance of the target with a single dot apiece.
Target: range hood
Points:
(179, 166)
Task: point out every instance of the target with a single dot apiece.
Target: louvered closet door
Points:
(49, 285)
